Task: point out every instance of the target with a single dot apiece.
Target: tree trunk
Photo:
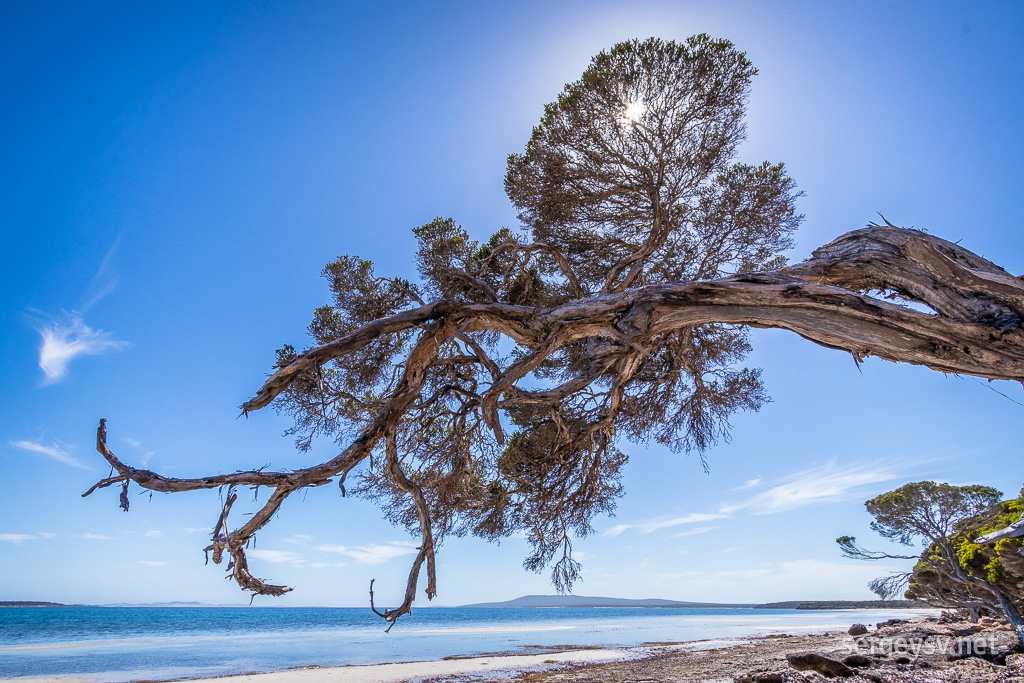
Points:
(1010, 610)
(973, 327)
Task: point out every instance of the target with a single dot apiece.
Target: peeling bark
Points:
(1015, 530)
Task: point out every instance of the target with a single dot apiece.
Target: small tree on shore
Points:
(957, 568)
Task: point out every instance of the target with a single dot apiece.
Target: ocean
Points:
(115, 644)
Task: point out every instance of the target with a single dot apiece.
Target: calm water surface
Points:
(117, 644)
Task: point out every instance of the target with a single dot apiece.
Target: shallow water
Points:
(130, 643)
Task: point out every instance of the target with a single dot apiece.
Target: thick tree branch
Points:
(823, 299)
(1015, 530)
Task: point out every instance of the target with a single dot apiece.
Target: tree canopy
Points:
(956, 568)
(496, 394)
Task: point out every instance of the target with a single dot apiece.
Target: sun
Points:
(633, 112)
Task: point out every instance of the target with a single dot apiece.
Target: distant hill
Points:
(162, 604)
(28, 603)
(845, 604)
(584, 601)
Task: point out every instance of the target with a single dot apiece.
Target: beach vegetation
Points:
(972, 541)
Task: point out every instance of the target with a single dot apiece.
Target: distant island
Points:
(845, 604)
(163, 604)
(36, 603)
(572, 601)
(584, 601)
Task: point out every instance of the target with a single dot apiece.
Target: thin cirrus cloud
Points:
(661, 523)
(16, 538)
(62, 342)
(694, 532)
(373, 553)
(52, 452)
(616, 530)
(691, 518)
(146, 455)
(276, 556)
(828, 483)
(21, 538)
(105, 280)
(365, 554)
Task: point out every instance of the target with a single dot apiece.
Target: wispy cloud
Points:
(53, 452)
(373, 553)
(662, 523)
(691, 518)
(616, 530)
(694, 532)
(15, 538)
(829, 483)
(153, 563)
(802, 579)
(64, 339)
(62, 342)
(298, 539)
(146, 454)
(153, 533)
(96, 537)
(104, 281)
(276, 556)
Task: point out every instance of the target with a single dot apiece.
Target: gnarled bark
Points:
(1015, 530)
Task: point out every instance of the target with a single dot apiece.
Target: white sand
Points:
(405, 671)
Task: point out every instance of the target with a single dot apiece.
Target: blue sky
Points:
(177, 174)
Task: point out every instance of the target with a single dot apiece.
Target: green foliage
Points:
(953, 569)
(968, 554)
(928, 510)
(600, 187)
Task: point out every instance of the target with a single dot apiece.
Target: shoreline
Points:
(504, 666)
(750, 659)
(470, 666)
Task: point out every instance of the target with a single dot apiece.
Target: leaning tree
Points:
(957, 567)
(491, 396)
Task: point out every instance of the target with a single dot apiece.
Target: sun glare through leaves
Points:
(633, 112)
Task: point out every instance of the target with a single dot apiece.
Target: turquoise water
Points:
(131, 643)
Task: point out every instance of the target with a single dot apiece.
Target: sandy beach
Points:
(928, 649)
(501, 666)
